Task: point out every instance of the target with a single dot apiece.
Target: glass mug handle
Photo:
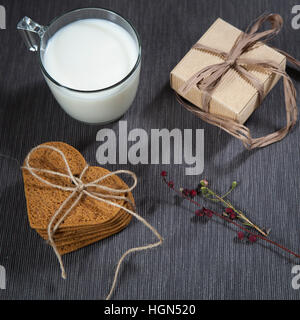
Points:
(31, 32)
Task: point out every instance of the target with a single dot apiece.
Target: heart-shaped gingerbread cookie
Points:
(90, 220)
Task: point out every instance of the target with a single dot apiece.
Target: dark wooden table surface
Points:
(199, 259)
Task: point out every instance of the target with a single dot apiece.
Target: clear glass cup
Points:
(97, 106)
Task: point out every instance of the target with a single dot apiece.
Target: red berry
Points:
(163, 173)
(229, 210)
(171, 184)
(199, 213)
(241, 235)
(232, 216)
(252, 238)
(208, 213)
(193, 193)
(185, 192)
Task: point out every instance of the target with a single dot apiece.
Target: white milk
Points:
(87, 55)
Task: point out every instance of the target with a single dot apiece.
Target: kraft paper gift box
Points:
(234, 97)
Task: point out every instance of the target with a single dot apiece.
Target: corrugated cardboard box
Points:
(234, 97)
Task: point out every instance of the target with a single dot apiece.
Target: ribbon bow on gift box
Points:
(208, 79)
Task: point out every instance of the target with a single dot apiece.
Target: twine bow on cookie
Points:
(80, 188)
(209, 77)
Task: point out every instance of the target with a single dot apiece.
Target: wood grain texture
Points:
(197, 260)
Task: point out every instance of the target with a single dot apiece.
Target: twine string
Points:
(80, 188)
(209, 77)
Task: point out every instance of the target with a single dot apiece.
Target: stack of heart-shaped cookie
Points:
(90, 220)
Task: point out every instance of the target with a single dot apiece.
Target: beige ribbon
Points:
(208, 79)
(77, 192)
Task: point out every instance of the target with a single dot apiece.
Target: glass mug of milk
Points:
(90, 59)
